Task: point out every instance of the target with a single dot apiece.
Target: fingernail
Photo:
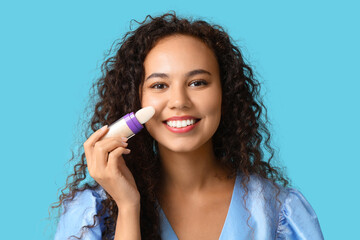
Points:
(124, 139)
(103, 128)
(127, 151)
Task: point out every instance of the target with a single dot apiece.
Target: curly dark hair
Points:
(238, 142)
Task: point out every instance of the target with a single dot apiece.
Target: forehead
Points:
(179, 53)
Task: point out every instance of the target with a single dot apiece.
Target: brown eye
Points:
(198, 83)
(158, 86)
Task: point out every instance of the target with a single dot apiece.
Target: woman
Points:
(198, 170)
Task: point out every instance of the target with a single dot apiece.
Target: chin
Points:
(182, 146)
(181, 149)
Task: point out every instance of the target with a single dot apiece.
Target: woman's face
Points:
(182, 83)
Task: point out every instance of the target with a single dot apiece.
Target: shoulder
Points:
(261, 189)
(284, 210)
(79, 213)
(297, 219)
(89, 198)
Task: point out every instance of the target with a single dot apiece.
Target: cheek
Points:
(152, 124)
(149, 126)
(213, 104)
(156, 102)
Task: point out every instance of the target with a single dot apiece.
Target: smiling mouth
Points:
(181, 123)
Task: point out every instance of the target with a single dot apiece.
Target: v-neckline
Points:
(170, 233)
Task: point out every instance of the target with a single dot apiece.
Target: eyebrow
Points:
(189, 74)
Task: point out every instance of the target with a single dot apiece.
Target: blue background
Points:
(306, 53)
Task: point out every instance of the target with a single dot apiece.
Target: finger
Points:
(109, 144)
(115, 160)
(96, 136)
(102, 149)
(90, 142)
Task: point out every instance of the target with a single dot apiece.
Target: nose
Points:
(179, 97)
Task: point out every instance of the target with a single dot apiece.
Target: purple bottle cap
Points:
(134, 125)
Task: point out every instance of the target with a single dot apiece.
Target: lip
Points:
(181, 130)
(174, 118)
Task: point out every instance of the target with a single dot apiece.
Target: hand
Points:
(107, 166)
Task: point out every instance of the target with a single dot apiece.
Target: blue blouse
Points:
(278, 215)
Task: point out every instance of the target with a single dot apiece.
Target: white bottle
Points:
(131, 123)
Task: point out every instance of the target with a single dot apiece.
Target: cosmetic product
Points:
(131, 123)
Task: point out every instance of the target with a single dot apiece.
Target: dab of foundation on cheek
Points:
(131, 123)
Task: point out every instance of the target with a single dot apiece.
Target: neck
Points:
(189, 172)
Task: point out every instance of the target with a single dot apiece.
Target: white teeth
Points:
(180, 123)
(183, 123)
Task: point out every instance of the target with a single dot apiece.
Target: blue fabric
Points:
(79, 213)
(279, 215)
(286, 216)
